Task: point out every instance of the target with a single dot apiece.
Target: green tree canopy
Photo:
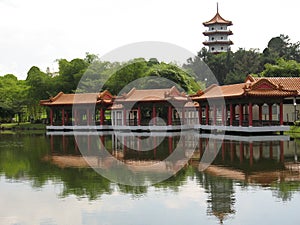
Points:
(282, 68)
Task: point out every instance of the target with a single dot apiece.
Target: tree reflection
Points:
(30, 157)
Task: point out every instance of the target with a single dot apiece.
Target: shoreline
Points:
(42, 127)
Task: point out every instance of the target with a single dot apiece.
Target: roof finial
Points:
(217, 7)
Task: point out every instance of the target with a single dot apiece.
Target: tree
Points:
(281, 47)
(96, 76)
(244, 62)
(70, 73)
(13, 97)
(170, 72)
(282, 68)
(127, 73)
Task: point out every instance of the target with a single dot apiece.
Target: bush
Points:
(297, 123)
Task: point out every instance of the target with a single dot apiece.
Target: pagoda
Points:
(218, 33)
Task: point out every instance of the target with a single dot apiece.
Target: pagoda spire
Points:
(217, 7)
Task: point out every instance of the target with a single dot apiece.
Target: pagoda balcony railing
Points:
(218, 31)
(218, 40)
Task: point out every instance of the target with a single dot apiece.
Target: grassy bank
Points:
(294, 129)
(22, 126)
(294, 132)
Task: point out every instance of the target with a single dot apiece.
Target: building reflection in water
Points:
(261, 160)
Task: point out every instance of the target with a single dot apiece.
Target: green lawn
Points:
(295, 129)
(23, 126)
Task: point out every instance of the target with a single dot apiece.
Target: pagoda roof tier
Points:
(212, 32)
(218, 19)
(228, 42)
(256, 88)
(61, 98)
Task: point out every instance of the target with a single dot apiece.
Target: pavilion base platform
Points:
(170, 128)
(242, 129)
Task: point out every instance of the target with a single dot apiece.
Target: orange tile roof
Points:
(225, 91)
(290, 83)
(82, 98)
(253, 87)
(152, 95)
(217, 19)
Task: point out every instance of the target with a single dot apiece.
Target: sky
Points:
(38, 32)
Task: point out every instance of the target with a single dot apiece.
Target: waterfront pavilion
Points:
(253, 106)
(82, 109)
(158, 108)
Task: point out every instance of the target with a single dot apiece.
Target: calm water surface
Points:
(43, 180)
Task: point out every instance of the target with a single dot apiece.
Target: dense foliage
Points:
(279, 58)
(19, 99)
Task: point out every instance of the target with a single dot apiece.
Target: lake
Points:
(119, 178)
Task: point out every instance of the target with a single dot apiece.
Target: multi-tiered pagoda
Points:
(218, 34)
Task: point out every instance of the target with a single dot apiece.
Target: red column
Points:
(170, 115)
(270, 113)
(250, 114)
(63, 117)
(231, 114)
(200, 114)
(154, 114)
(139, 115)
(101, 116)
(67, 117)
(281, 113)
(215, 114)
(241, 114)
(260, 113)
(207, 114)
(51, 116)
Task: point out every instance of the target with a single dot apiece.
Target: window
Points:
(212, 38)
(221, 38)
(212, 28)
(222, 48)
(221, 28)
(212, 48)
